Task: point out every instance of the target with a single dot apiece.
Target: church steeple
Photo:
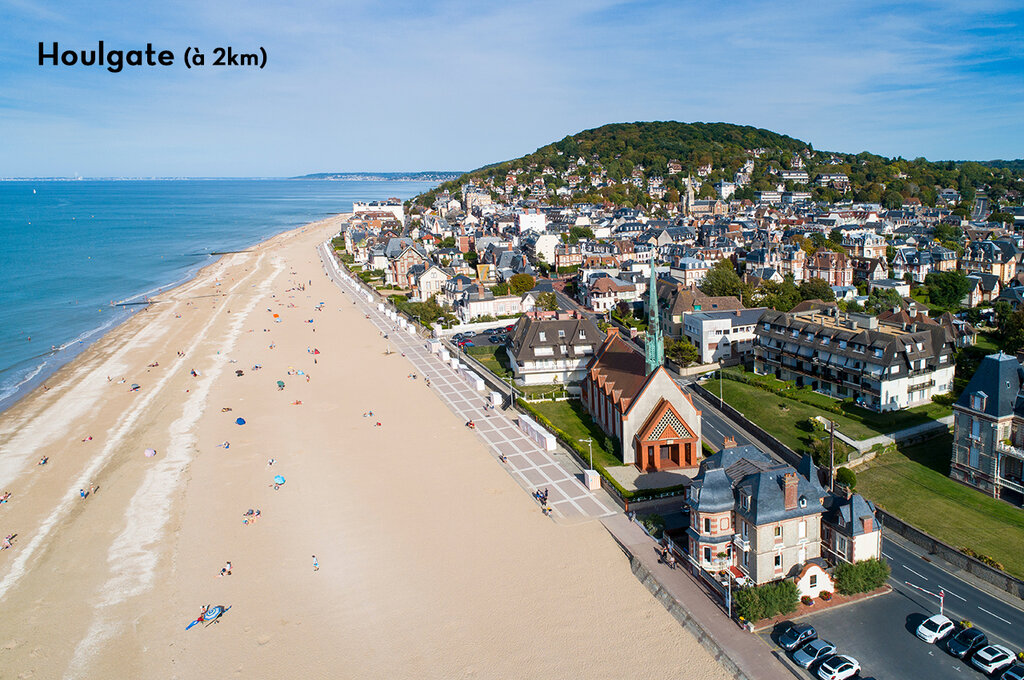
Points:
(654, 348)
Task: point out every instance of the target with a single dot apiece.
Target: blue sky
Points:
(455, 85)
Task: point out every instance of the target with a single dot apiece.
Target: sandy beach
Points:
(433, 562)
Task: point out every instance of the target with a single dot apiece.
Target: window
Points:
(813, 581)
(974, 459)
(583, 334)
(707, 554)
(825, 341)
(778, 531)
(842, 344)
(975, 428)
(802, 528)
(767, 326)
(542, 336)
(707, 525)
(778, 561)
(841, 544)
(561, 333)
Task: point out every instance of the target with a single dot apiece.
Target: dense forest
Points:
(613, 152)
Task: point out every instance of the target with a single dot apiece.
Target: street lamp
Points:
(590, 446)
(720, 400)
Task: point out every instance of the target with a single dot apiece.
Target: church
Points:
(633, 398)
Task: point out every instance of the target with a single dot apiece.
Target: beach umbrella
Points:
(278, 479)
(316, 351)
(240, 421)
(277, 316)
(300, 372)
(150, 453)
(280, 384)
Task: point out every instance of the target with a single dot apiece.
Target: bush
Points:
(846, 477)
(946, 399)
(655, 524)
(861, 577)
(766, 601)
(982, 558)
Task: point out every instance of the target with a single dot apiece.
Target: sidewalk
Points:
(863, 445)
(743, 655)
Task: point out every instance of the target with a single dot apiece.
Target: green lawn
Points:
(988, 343)
(494, 357)
(913, 485)
(570, 418)
(855, 421)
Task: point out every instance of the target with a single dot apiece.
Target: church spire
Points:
(654, 348)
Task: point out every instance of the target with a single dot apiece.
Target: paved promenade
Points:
(532, 467)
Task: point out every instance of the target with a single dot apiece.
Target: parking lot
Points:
(484, 339)
(880, 634)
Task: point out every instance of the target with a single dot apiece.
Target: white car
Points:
(935, 628)
(992, 658)
(838, 667)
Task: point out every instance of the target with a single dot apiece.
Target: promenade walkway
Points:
(743, 654)
(532, 467)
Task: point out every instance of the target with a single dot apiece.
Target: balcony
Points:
(1008, 449)
(741, 542)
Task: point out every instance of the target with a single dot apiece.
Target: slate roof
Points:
(998, 378)
(525, 337)
(846, 514)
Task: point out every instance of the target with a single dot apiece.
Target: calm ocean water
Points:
(67, 249)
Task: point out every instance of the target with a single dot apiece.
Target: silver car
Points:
(813, 651)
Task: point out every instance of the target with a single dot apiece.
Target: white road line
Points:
(916, 573)
(995, 615)
(888, 557)
(950, 592)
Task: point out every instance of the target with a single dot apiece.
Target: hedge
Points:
(861, 577)
(846, 477)
(764, 602)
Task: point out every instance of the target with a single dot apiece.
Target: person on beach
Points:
(316, 564)
(7, 542)
(271, 462)
(225, 570)
(81, 493)
(92, 489)
(88, 439)
(43, 460)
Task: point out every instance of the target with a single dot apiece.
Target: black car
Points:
(964, 643)
(796, 635)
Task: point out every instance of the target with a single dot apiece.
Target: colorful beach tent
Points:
(278, 479)
(240, 421)
(280, 384)
(150, 453)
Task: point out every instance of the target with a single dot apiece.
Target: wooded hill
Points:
(612, 152)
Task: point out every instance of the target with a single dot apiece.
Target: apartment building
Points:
(722, 335)
(882, 366)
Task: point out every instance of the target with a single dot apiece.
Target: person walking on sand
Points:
(225, 570)
(316, 564)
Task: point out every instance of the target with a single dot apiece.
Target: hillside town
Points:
(840, 333)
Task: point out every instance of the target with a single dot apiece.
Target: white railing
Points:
(741, 542)
(1015, 451)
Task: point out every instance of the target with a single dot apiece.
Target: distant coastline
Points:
(425, 176)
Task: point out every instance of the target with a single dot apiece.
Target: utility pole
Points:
(720, 384)
(832, 455)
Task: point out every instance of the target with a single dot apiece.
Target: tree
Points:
(580, 232)
(683, 352)
(520, 283)
(499, 289)
(846, 477)
(947, 289)
(1001, 217)
(722, 280)
(883, 299)
(892, 200)
(548, 302)
(1013, 332)
(835, 236)
(816, 289)
(854, 306)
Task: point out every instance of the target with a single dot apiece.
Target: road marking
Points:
(916, 573)
(888, 557)
(995, 615)
(950, 592)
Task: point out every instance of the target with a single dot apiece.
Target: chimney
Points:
(789, 487)
(737, 312)
(729, 443)
(869, 524)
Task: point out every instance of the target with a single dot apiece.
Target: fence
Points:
(948, 553)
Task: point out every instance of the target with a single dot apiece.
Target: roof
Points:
(619, 367)
(998, 379)
(526, 337)
(846, 514)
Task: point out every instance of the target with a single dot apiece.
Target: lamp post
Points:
(590, 447)
(720, 400)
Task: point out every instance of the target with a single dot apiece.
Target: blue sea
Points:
(70, 248)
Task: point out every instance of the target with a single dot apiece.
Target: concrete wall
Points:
(762, 438)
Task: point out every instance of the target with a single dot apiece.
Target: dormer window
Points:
(542, 336)
(583, 335)
(561, 333)
(978, 401)
(803, 502)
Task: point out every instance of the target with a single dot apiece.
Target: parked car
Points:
(797, 634)
(466, 343)
(1014, 672)
(494, 339)
(934, 628)
(508, 328)
(815, 650)
(838, 667)
(966, 641)
(992, 659)
(492, 331)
